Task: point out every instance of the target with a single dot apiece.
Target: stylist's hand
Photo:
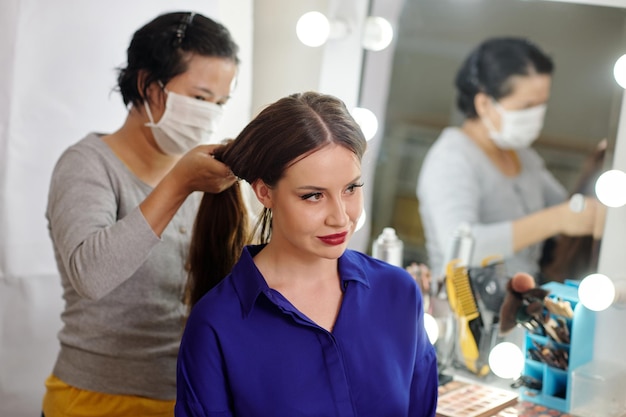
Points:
(199, 171)
(579, 219)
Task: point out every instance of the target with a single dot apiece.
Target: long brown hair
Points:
(283, 133)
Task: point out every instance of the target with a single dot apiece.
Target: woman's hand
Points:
(198, 170)
(579, 219)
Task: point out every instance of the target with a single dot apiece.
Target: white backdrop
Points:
(56, 79)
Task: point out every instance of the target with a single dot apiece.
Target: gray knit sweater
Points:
(458, 183)
(122, 285)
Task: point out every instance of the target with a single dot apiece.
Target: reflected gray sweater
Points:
(122, 285)
(458, 183)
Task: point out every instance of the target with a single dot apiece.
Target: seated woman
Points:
(302, 325)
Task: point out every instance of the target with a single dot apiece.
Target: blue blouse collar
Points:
(249, 283)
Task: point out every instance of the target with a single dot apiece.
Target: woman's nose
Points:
(337, 213)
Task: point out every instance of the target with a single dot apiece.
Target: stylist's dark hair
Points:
(282, 134)
(160, 50)
(489, 68)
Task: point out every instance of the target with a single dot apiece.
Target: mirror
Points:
(435, 36)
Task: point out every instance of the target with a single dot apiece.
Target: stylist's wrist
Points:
(561, 216)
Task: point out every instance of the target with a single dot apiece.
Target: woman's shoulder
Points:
(213, 305)
(453, 136)
(375, 269)
(91, 158)
(452, 144)
(451, 158)
(86, 150)
(530, 158)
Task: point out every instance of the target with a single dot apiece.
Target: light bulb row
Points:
(315, 29)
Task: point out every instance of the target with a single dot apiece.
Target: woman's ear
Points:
(482, 104)
(153, 92)
(141, 82)
(263, 193)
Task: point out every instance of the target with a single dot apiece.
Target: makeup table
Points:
(463, 397)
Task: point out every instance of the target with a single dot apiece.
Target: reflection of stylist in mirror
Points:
(485, 173)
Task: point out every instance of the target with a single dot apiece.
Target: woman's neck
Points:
(287, 266)
(134, 145)
(505, 160)
(310, 283)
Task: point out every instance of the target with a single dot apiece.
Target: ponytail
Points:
(219, 234)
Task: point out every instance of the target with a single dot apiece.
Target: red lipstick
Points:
(336, 239)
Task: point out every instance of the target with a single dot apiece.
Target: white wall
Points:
(58, 69)
(282, 64)
(610, 337)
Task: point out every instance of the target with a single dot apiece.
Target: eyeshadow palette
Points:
(462, 399)
(528, 409)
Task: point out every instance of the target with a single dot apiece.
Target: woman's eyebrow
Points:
(210, 92)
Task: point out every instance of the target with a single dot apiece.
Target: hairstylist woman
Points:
(485, 173)
(121, 208)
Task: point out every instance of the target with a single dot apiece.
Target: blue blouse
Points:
(247, 351)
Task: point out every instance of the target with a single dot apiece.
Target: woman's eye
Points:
(200, 98)
(352, 187)
(312, 196)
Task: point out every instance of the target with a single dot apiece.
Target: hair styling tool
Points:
(470, 324)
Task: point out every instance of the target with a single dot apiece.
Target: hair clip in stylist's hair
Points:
(182, 28)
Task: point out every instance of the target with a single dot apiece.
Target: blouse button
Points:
(182, 229)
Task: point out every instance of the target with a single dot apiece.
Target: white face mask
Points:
(186, 123)
(518, 128)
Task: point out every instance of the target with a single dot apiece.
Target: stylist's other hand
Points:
(199, 171)
(580, 220)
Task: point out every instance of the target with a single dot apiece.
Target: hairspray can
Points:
(388, 247)
(460, 246)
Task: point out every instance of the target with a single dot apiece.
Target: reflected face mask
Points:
(518, 128)
(185, 124)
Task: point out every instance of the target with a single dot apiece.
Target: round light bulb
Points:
(611, 188)
(367, 121)
(313, 29)
(432, 328)
(377, 33)
(361, 221)
(506, 360)
(596, 292)
(619, 71)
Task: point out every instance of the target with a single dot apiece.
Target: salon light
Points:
(377, 33)
(432, 328)
(506, 360)
(367, 120)
(314, 29)
(611, 188)
(619, 71)
(598, 292)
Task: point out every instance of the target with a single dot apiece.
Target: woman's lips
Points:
(336, 239)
